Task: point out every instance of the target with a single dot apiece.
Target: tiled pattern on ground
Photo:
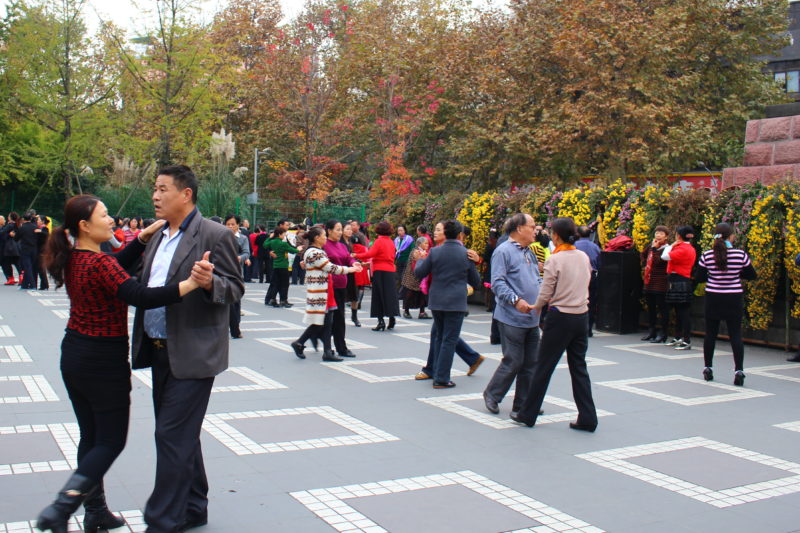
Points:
(733, 393)
(39, 390)
(66, 437)
(15, 353)
(330, 504)
(352, 368)
(217, 426)
(134, 523)
(257, 381)
(619, 460)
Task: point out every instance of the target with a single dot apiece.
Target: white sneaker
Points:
(683, 345)
(673, 342)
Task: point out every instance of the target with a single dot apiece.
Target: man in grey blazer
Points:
(451, 271)
(186, 344)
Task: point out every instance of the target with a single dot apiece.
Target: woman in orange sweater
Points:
(384, 294)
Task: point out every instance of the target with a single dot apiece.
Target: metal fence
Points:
(127, 202)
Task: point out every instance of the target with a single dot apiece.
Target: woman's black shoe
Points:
(298, 349)
(354, 318)
(97, 514)
(381, 325)
(650, 336)
(708, 374)
(330, 357)
(56, 516)
(391, 323)
(738, 378)
(315, 343)
(661, 339)
(406, 314)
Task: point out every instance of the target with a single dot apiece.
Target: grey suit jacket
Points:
(197, 326)
(450, 270)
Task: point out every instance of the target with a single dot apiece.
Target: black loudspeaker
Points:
(619, 292)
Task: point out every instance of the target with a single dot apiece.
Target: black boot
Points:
(354, 318)
(381, 325)
(391, 323)
(406, 314)
(97, 514)
(330, 357)
(652, 335)
(57, 514)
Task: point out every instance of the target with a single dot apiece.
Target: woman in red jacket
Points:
(681, 257)
(384, 294)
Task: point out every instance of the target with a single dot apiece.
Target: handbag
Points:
(679, 291)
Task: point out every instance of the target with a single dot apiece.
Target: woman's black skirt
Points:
(384, 295)
(95, 356)
(719, 306)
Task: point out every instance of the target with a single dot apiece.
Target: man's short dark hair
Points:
(452, 228)
(28, 215)
(183, 178)
(215, 218)
(466, 230)
(283, 221)
(584, 232)
(232, 216)
(422, 229)
(514, 222)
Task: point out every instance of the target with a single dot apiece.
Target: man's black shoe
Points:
(515, 417)
(348, 353)
(582, 427)
(491, 405)
(795, 359)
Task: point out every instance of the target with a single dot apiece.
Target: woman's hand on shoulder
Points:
(145, 235)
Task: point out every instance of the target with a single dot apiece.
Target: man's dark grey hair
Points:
(514, 222)
(584, 232)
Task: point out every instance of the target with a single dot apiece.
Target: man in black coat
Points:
(27, 239)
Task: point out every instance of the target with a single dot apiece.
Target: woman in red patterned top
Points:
(94, 352)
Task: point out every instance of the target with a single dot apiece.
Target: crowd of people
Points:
(180, 269)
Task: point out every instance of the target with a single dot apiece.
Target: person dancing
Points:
(565, 288)
(318, 268)
(94, 352)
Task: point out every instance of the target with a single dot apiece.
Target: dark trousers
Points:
(683, 321)
(252, 271)
(335, 323)
(520, 346)
(44, 283)
(28, 265)
(562, 331)
(102, 408)
(278, 285)
(657, 304)
(235, 318)
(463, 350)
(265, 267)
(181, 487)
(730, 309)
(298, 274)
(448, 329)
(9, 263)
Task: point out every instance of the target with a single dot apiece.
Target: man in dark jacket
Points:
(27, 239)
(451, 271)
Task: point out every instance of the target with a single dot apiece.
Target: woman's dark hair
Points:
(138, 222)
(422, 228)
(59, 248)
(565, 228)
(683, 231)
(235, 217)
(329, 225)
(364, 228)
(313, 233)
(13, 216)
(401, 226)
(663, 229)
(277, 232)
(383, 228)
(146, 222)
(721, 234)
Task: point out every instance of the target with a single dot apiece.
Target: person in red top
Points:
(94, 352)
(681, 257)
(384, 293)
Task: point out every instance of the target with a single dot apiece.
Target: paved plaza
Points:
(297, 446)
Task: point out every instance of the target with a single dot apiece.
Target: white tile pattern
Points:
(351, 368)
(15, 354)
(452, 405)
(66, 437)
(240, 444)
(770, 372)
(39, 390)
(329, 504)
(284, 344)
(736, 393)
(259, 381)
(616, 460)
(667, 352)
(134, 523)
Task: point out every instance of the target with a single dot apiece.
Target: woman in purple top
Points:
(339, 255)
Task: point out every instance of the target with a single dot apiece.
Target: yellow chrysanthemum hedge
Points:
(477, 213)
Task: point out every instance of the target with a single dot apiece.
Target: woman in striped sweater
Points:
(318, 267)
(723, 267)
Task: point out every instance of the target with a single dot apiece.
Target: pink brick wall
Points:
(771, 153)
